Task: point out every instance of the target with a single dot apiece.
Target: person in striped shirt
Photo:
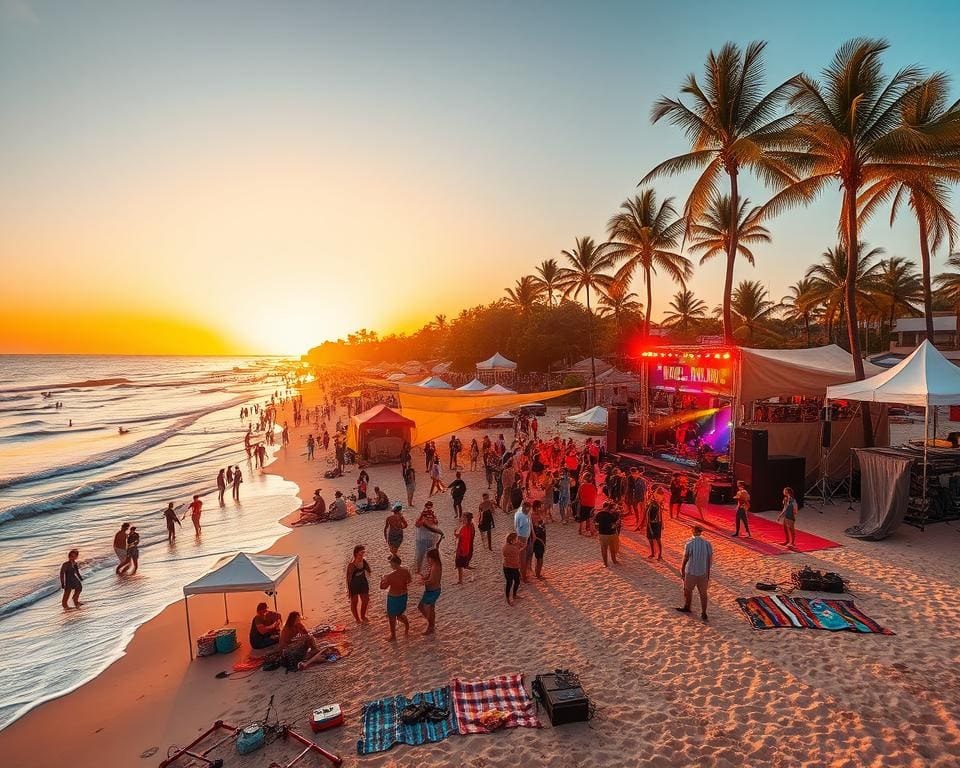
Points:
(695, 570)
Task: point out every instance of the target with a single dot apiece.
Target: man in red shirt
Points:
(195, 506)
(587, 500)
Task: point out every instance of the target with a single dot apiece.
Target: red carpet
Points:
(766, 535)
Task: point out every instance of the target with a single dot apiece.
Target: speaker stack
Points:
(766, 476)
(618, 427)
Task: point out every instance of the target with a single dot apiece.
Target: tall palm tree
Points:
(752, 306)
(948, 288)
(732, 126)
(830, 282)
(440, 323)
(646, 236)
(710, 234)
(927, 187)
(525, 294)
(548, 278)
(801, 303)
(685, 309)
(896, 289)
(618, 301)
(589, 266)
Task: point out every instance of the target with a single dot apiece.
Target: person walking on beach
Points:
(563, 495)
(170, 516)
(195, 508)
(311, 445)
(654, 527)
(538, 543)
(701, 493)
(511, 567)
(678, 492)
(237, 479)
(397, 583)
(410, 483)
(428, 535)
(695, 570)
(458, 489)
(523, 528)
(637, 496)
(474, 455)
(586, 500)
(428, 452)
(120, 546)
(466, 534)
(486, 522)
(788, 515)
(221, 485)
(358, 586)
(608, 530)
(133, 551)
(431, 590)
(393, 528)
(436, 475)
(742, 497)
(71, 582)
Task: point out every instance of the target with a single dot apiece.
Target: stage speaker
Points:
(780, 472)
(618, 428)
(826, 432)
(750, 447)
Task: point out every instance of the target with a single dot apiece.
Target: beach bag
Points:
(207, 645)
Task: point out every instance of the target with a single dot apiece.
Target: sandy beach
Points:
(669, 689)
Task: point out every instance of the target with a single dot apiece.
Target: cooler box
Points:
(226, 640)
(326, 717)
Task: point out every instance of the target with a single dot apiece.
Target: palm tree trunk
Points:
(853, 335)
(593, 362)
(731, 255)
(646, 319)
(806, 322)
(925, 270)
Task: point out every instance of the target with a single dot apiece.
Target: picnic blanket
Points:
(382, 726)
(505, 694)
(776, 611)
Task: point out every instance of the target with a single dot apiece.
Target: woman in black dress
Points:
(357, 583)
(71, 580)
(655, 525)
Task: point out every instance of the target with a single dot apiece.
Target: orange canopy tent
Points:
(378, 434)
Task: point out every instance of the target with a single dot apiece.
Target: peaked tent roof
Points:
(434, 382)
(584, 365)
(243, 573)
(497, 362)
(595, 415)
(499, 389)
(473, 386)
(925, 378)
(381, 415)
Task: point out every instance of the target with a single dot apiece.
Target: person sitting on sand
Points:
(338, 509)
(431, 590)
(397, 582)
(379, 501)
(265, 628)
(297, 644)
(393, 528)
(71, 582)
(318, 507)
(358, 586)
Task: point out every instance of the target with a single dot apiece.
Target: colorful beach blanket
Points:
(382, 726)
(776, 611)
(505, 694)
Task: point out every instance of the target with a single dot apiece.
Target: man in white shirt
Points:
(523, 526)
(695, 570)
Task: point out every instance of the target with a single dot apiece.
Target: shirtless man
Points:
(120, 546)
(396, 583)
(170, 515)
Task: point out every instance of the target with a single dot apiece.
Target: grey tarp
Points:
(884, 492)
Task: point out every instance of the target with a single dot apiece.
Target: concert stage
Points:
(666, 465)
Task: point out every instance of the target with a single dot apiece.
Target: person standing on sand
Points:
(195, 508)
(742, 497)
(410, 483)
(221, 485)
(701, 493)
(563, 495)
(523, 528)
(486, 522)
(431, 590)
(397, 583)
(311, 444)
(237, 479)
(678, 492)
(788, 515)
(436, 475)
(538, 542)
(170, 515)
(71, 582)
(654, 530)
(511, 567)
(120, 546)
(608, 527)
(586, 501)
(458, 489)
(695, 570)
(428, 535)
(358, 586)
(465, 534)
(393, 528)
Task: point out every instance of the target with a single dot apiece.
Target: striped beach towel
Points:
(776, 611)
(505, 693)
(382, 726)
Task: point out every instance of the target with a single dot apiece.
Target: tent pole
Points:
(926, 440)
(299, 586)
(186, 605)
(275, 599)
(226, 613)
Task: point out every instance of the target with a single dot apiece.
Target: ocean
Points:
(65, 487)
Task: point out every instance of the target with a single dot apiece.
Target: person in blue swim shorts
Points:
(396, 583)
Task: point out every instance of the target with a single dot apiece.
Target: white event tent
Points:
(434, 382)
(592, 421)
(499, 389)
(473, 386)
(496, 363)
(242, 573)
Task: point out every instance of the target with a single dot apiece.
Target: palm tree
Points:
(525, 294)
(851, 132)
(948, 287)
(685, 309)
(896, 289)
(440, 323)
(732, 126)
(646, 235)
(927, 190)
(751, 305)
(710, 235)
(589, 267)
(548, 278)
(830, 282)
(800, 303)
(617, 301)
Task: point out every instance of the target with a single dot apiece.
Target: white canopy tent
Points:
(434, 382)
(242, 573)
(924, 378)
(473, 386)
(497, 363)
(592, 421)
(499, 389)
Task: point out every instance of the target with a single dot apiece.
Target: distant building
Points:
(910, 331)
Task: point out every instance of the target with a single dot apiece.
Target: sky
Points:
(257, 177)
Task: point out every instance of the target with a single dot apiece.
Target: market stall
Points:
(378, 434)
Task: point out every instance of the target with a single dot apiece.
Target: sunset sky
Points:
(187, 177)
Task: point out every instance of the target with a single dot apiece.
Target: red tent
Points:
(379, 433)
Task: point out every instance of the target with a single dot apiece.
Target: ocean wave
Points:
(10, 398)
(87, 384)
(19, 436)
(119, 454)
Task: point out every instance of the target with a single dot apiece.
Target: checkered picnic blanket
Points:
(471, 698)
(382, 726)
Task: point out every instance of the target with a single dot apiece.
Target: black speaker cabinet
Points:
(618, 427)
(750, 447)
(766, 493)
(562, 697)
